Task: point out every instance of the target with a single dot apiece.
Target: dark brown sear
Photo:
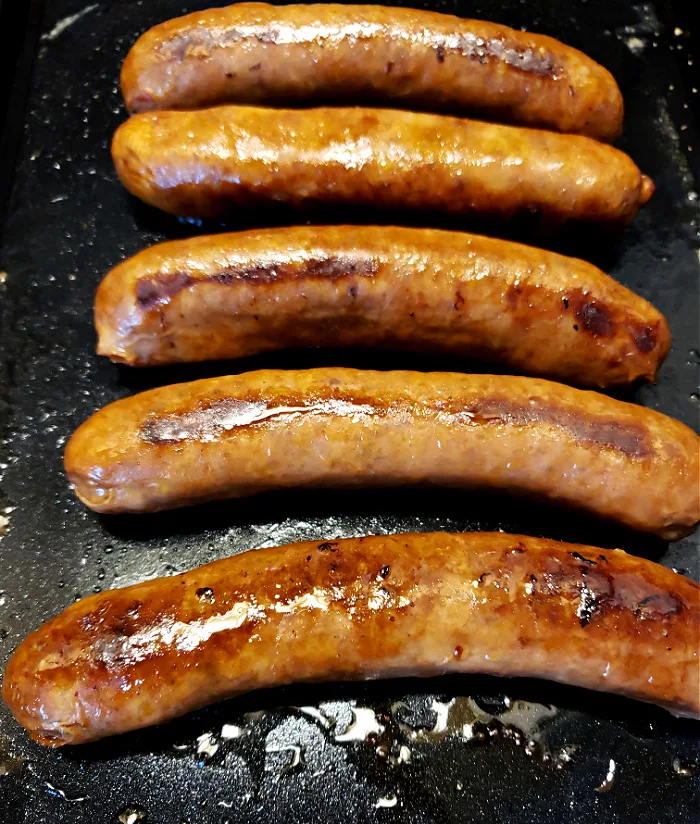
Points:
(206, 163)
(259, 53)
(230, 296)
(240, 435)
(360, 608)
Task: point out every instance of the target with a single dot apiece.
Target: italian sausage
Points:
(240, 435)
(204, 163)
(257, 53)
(359, 608)
(229, 296)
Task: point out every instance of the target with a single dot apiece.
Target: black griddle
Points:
(457, 749)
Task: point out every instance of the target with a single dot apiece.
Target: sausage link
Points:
(243, 434)
(204, 163)
(258, 53)
(230, 296)
(359, 608)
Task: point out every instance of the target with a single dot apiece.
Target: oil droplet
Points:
(131, 815)
(695, 397)
(685, 768)
(386, 802)
(205, 595)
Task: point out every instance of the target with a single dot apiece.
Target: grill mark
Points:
(211, 419)
(631, 439)
(160, 288)
(592, 316)
(202, 43)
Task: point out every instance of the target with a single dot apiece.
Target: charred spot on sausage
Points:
(582, 558)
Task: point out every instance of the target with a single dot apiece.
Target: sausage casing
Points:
(273, 429)
(234, 295)
(359, 608)
(204, 163)
(254, 52)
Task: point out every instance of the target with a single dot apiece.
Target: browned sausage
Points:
(228, 296)
(360, 608)
(254, 52)
(239, 435)
(204, 163)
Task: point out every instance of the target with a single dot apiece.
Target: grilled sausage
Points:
(257, 53)
(359, 608)
(229, 296)
(203, 163)
(239, 435)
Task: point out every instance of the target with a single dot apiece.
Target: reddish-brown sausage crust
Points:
(229, 296)
(359, 608)
(204, 163)
(258, 53)
(243, 434)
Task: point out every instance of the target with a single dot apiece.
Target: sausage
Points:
(360, 608)
(274, 429)
(229, 296)
(204, 163)
(257, 53)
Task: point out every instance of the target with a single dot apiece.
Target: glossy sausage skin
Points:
(229, 296)
(359, 608)
(239, 435)
(258, 53)
(205, 163)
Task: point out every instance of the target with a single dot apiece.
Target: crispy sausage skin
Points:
(204, 163)
(258, 53)
(229, 296)
(359, 608)
(239, 435)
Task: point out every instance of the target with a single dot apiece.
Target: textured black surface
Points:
(67, 223)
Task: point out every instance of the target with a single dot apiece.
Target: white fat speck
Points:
(63, 794)
(318, 599)
(206, 744)
(67, 22)
(442, 711)
(316, 714)
(364, 723)
(294, 749)
(609, 779)
(229, 731)
(636, 45)
(405, 754)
